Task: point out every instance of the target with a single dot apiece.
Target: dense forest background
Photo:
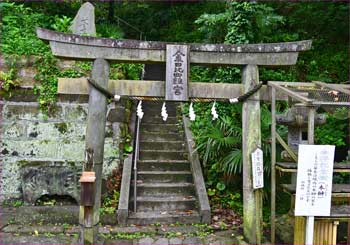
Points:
(219, 142)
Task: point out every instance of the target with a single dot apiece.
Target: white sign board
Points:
(314, 180)
(258, 169)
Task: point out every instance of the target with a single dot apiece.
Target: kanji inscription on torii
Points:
(177, 67)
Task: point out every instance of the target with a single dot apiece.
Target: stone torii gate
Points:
(104, 51)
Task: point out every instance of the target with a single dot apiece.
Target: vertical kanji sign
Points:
(177, 67)
(314, 180)
(258, 168)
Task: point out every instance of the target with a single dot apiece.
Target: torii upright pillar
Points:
(251, 139)
(84, 24)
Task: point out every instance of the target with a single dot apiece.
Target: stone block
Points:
(162, 241)
(12, 130)
(57, 130)
(117, 114)
(10, 181)
(27, 75)
(175, 240)
(76, 113)
(32, 148)
(71, 150)
(146, 240)
(54, 179)
(30, 111)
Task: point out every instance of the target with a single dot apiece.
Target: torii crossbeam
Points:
(105, 50)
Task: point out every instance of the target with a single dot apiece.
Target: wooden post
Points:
(273, 165)
(95, 130)
(87, 182)
(252, 200)
(310, 220)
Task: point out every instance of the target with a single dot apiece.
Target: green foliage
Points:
(62, 24)
(331, 133)
(12, 203)
(8, 82)
(18, 30)
(47, 76)
(110, 203)
(109, 30)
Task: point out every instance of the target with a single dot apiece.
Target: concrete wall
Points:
(43, 154)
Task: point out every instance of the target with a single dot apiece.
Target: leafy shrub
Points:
(18, 30)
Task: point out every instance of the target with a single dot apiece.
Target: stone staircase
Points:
(165, 187)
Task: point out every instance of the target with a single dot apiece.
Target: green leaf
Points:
(128, 148)
(220, 186)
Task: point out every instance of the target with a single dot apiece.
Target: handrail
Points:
(136, 158)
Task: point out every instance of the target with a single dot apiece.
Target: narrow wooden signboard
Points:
(177, 67)
(258, 169)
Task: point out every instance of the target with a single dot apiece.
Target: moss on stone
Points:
(61, 127)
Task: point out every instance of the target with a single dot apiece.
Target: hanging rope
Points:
(241, 98)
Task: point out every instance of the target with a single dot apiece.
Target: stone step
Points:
(151, 112)
(164, 217)
(163, 165)
(166, 203)
(165, 189)
(164, 177)
(161, 128)
(157, 119)
(147, 136)
(157, 105)
(162, 145)
(163, 155)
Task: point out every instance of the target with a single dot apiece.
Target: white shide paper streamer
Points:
(192, 114)
(164, 112)
(213, 111)
(139, 111)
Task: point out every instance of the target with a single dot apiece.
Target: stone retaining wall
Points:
(43, 154)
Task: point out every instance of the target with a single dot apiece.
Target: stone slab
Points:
(203, 201)
(9, 238)
(145, 88)
(84, 21)
(75, 51)
(298, 46)
(177, 69)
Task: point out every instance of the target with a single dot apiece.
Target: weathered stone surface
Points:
(76, 46)
(76, 113)
(57, 130)
(48, 180)
(154, 45)
(157, 89)
(95, 129)
(8, 238)
(76, 51)
(161, 241)
(28, 137)
(177, 69)
(12, 130)
(84, 21)
(29, 111)
(175, 241)
(191, 240)
(146, 240)
(201, 192)
(116, 114)
(251, 139)
(10, 181)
